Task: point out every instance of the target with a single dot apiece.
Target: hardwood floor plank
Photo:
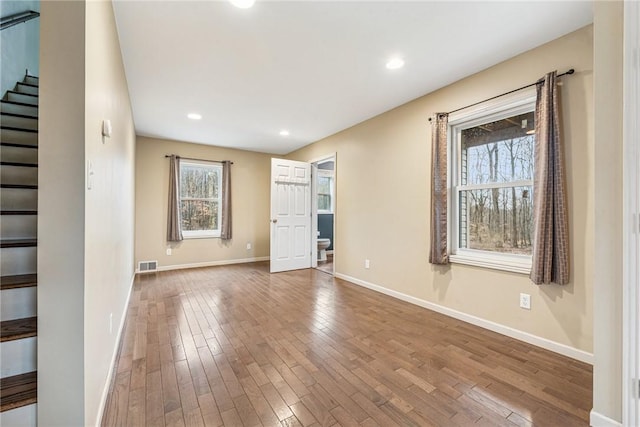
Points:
(237, 346)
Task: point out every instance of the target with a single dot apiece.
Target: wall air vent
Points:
(147, 266)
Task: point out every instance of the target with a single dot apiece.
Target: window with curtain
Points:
(200, 199)
(492, 172)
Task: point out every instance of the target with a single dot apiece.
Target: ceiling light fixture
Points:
(531, 132)
(395, 63)
(284, 132)
(194, 116)
(242, 4)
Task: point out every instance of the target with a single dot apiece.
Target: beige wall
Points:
(61, 199)
(383, 198)
(109, 205)
(250, 202)
(85, 248)
(607, 371)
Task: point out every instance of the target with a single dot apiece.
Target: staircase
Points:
(18, 241)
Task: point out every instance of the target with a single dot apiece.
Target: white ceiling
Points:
(312, 67)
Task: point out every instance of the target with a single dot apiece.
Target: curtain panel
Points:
(225, 226)
(438, 253)
(174, 229)
(550, 260)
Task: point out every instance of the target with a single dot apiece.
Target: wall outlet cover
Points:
(525, 301)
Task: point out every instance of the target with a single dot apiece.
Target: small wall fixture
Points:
(194, 116)
(284, 132)
(242, 4)
(106, 128)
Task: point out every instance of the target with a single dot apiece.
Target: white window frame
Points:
(506, 106)
(202, 234)
(327, 174)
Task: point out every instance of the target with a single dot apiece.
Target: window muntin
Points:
(492, 152)
(200, 199)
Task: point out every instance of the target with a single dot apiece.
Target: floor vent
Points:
(147, 266)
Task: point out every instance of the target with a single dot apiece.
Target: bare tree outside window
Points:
(200, 197)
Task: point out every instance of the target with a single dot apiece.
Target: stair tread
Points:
(28, 84)
(24, 104)
(19, 129)
(21, 93)
(18, 390)
(20, 186)
(18, 329)
(17, 144)
(22, 116)
(18, 281)
(18, 243)
(19, 164)
(18, 212)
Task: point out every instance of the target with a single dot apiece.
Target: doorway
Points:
(323, 212)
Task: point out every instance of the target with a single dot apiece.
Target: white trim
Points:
(504, 262)
(598, 420)
(114, 356)
(324, 158)
(314, 205)
(547, 344)
(631, 217)
(210, 263)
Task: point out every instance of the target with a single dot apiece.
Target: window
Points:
(492, 169)
(325, 191)
(200, 199)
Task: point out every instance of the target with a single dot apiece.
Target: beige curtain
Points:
(550, 261)
(174, 230)
(438, 253)
(225, 226)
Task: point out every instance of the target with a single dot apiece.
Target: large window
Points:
(492, 184)
(200, 199)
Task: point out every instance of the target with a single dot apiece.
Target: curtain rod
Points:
(569, 72)
(199, 160)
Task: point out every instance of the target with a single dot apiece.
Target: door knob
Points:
(274, 221)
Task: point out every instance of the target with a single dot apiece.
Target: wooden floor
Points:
(236, 346)
(326, 266)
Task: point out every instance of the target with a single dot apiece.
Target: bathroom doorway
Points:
(323, 212)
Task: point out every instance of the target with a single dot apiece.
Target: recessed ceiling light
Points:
(395, 63)
(242, 4)
(194, 116)
(284, 132)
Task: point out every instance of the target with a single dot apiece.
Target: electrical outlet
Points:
(168, 251)
(248, 246)
(525, 301)
(110, 323)
(366, 264)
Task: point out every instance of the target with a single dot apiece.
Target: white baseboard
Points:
(208, 264)
(598, 420)
(105, 391)
(547, 344)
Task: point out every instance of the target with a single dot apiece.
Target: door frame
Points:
(631, 217)
(314, 206)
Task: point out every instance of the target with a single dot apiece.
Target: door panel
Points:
(290, 215)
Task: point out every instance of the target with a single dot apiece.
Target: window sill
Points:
(514, 265)
(200, 236)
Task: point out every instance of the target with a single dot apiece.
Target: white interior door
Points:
(290, 215)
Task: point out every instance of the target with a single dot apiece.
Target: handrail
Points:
(18, 18)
